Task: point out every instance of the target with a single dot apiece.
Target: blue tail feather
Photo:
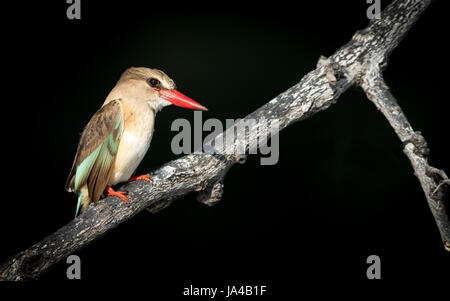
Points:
(78, 204)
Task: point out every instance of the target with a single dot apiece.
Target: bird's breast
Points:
(134, 143)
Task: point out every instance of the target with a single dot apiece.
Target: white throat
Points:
(161, 103)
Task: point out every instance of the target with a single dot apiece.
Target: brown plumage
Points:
(94, 134)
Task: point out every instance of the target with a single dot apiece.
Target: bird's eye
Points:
(154, 83)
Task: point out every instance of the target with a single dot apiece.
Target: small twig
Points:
(415, 148)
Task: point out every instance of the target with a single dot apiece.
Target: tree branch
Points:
(432, 180)
(204, 170)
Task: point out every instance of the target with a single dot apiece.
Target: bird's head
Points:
(158, 88)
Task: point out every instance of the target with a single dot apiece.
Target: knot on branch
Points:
(26, 266)
(211, 194)
(332, 72)
(441, 180)
(420, 145)
(241, 159)
(447, 246)
(31, 263)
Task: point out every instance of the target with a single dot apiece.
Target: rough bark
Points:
(359, 62)
(432, 180)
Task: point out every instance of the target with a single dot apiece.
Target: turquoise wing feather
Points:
(94, 162)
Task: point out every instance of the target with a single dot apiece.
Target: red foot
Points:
(136, 178)
(119, 194)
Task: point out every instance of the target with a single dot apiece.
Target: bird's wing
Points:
(96, 153)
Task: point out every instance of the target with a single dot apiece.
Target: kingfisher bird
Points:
(118, 135)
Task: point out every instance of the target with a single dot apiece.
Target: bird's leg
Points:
(142, 177)
(119, 194)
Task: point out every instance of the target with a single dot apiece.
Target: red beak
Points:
(180, 100)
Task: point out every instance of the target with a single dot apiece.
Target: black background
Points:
(341, 191)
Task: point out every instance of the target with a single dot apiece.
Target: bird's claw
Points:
(142, 177)
(119, 194)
